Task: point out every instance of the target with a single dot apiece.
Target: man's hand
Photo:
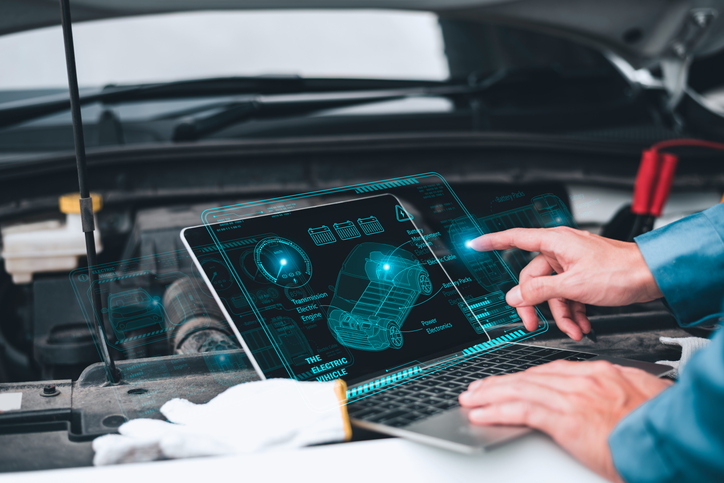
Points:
(576, 403)
(590, 270)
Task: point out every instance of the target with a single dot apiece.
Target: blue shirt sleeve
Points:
(687, 261)
(679, 435)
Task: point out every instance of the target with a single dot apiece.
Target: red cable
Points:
(646, 180)
(675, 143)
(664, 182)
(656, 174)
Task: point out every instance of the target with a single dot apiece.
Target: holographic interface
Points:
(446, 226)
(364, 305)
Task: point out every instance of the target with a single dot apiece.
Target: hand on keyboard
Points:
(577, 403)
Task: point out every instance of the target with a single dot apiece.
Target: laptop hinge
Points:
(372, 386)
(385, 382)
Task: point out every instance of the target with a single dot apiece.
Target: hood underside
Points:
(640, 31)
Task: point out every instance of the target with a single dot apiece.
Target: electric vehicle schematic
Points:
(375, 291)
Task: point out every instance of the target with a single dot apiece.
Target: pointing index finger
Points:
(529, 239)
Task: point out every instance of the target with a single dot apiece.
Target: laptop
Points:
(353, 290)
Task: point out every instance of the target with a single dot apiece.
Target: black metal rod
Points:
(113, 374)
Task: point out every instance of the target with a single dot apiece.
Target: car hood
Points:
(642, 31)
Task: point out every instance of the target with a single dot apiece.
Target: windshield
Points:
(324, 49)
(397, 45)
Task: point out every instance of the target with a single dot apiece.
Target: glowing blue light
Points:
(469, 244)
(386, 266)
(283, 261)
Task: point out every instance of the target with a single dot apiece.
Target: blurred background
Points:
(378, 44)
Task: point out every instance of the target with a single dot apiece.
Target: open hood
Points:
(641, 31)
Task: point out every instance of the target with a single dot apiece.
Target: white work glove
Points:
(689, 346)
(255, 416)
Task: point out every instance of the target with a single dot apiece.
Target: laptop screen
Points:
(348, 290)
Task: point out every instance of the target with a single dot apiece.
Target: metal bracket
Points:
(86, 214)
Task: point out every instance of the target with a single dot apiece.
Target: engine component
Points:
(201, 326)
(47, 246)
(62, 343)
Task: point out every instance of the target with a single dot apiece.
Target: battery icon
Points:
(321, 235)
(346, 230)
(370, 226)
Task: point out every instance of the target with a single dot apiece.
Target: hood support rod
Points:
(86, 202)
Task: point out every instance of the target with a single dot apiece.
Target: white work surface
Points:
(533, 458)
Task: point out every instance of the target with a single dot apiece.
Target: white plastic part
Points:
(47, 246)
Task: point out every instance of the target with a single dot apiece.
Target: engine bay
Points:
(150, 195)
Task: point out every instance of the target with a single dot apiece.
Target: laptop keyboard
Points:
(434, 393)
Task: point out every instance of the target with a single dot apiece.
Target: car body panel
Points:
(640, 32)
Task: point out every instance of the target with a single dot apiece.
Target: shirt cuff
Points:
(634, 450)
(686, 261)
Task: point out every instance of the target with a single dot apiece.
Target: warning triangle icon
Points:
(402, 215)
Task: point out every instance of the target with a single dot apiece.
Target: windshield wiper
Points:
(16, 112)
(269, 96)
(217, 117)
